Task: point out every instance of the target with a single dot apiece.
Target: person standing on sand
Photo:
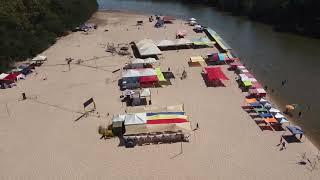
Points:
(283, 146)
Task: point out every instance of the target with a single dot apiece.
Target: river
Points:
(271, 56)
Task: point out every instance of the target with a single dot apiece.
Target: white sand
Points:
(39, 138)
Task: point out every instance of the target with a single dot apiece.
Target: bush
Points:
(30, 26)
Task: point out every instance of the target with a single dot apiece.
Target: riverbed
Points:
(272, 56)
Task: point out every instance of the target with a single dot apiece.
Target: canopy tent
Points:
(160, 75)
(147, 47)
(202, 41)
(145, 92)
(3, 75)
(214, 36)
(148, 79)
(220, 57)
(192, 19)
(165, 113)
(118, 118)
(11, 77)
(157, 116)
(166, 43)
(183, 41)
(247, 83)
(274, 110)
(132, 119)
(144, 61)
(295, 130)
(138, 73)
(153, 128)
(39, 58)
(197, 59)
(168, 18)
(259, 92)
(215, 73)
(192, 23)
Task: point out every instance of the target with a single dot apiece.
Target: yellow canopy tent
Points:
(196, 61)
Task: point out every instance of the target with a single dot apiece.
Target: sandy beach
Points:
(40, 139)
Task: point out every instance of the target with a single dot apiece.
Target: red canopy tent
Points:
(215, 73)
(215, 76)
(11, 77)
(148, 81)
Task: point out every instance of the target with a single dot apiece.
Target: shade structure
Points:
(202, 41)
(165, 113)
(165, 116)
(160, 75)
(166, 43)
(138, 118)
(295, 130)
(192, 19)
(196, 61)
(145, 92)
(40, 58)
(3, 75)
(283, 120)
(246, 83)
(118, 118)
(279, 116)
(147, 47)
(144, 61)
(148, 79)
(199, 59)
(256, 85)
(11, 77)
(274, 110)
(215, 73)
(138, 73)
(152, 128)
(182, 42)
(214, 36)
(220, 57)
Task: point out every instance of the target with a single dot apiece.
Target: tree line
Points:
(299, 16)
(27, 27)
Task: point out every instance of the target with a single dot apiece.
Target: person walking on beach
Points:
(300, 114)
(283, 146)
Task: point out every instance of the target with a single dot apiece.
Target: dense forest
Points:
(28, 27)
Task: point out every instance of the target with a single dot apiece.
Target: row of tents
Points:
(247, 81)
(152, 122)
(9, 79)
(145, 77)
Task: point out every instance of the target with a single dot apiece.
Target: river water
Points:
(271, 56)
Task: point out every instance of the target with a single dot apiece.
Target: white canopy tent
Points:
(145, 93)
(183, 41)
(40, 58)
(133, 119)
(138, 73)
(144, 61)
(147, 47)
(166, 43)
(3, 75)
